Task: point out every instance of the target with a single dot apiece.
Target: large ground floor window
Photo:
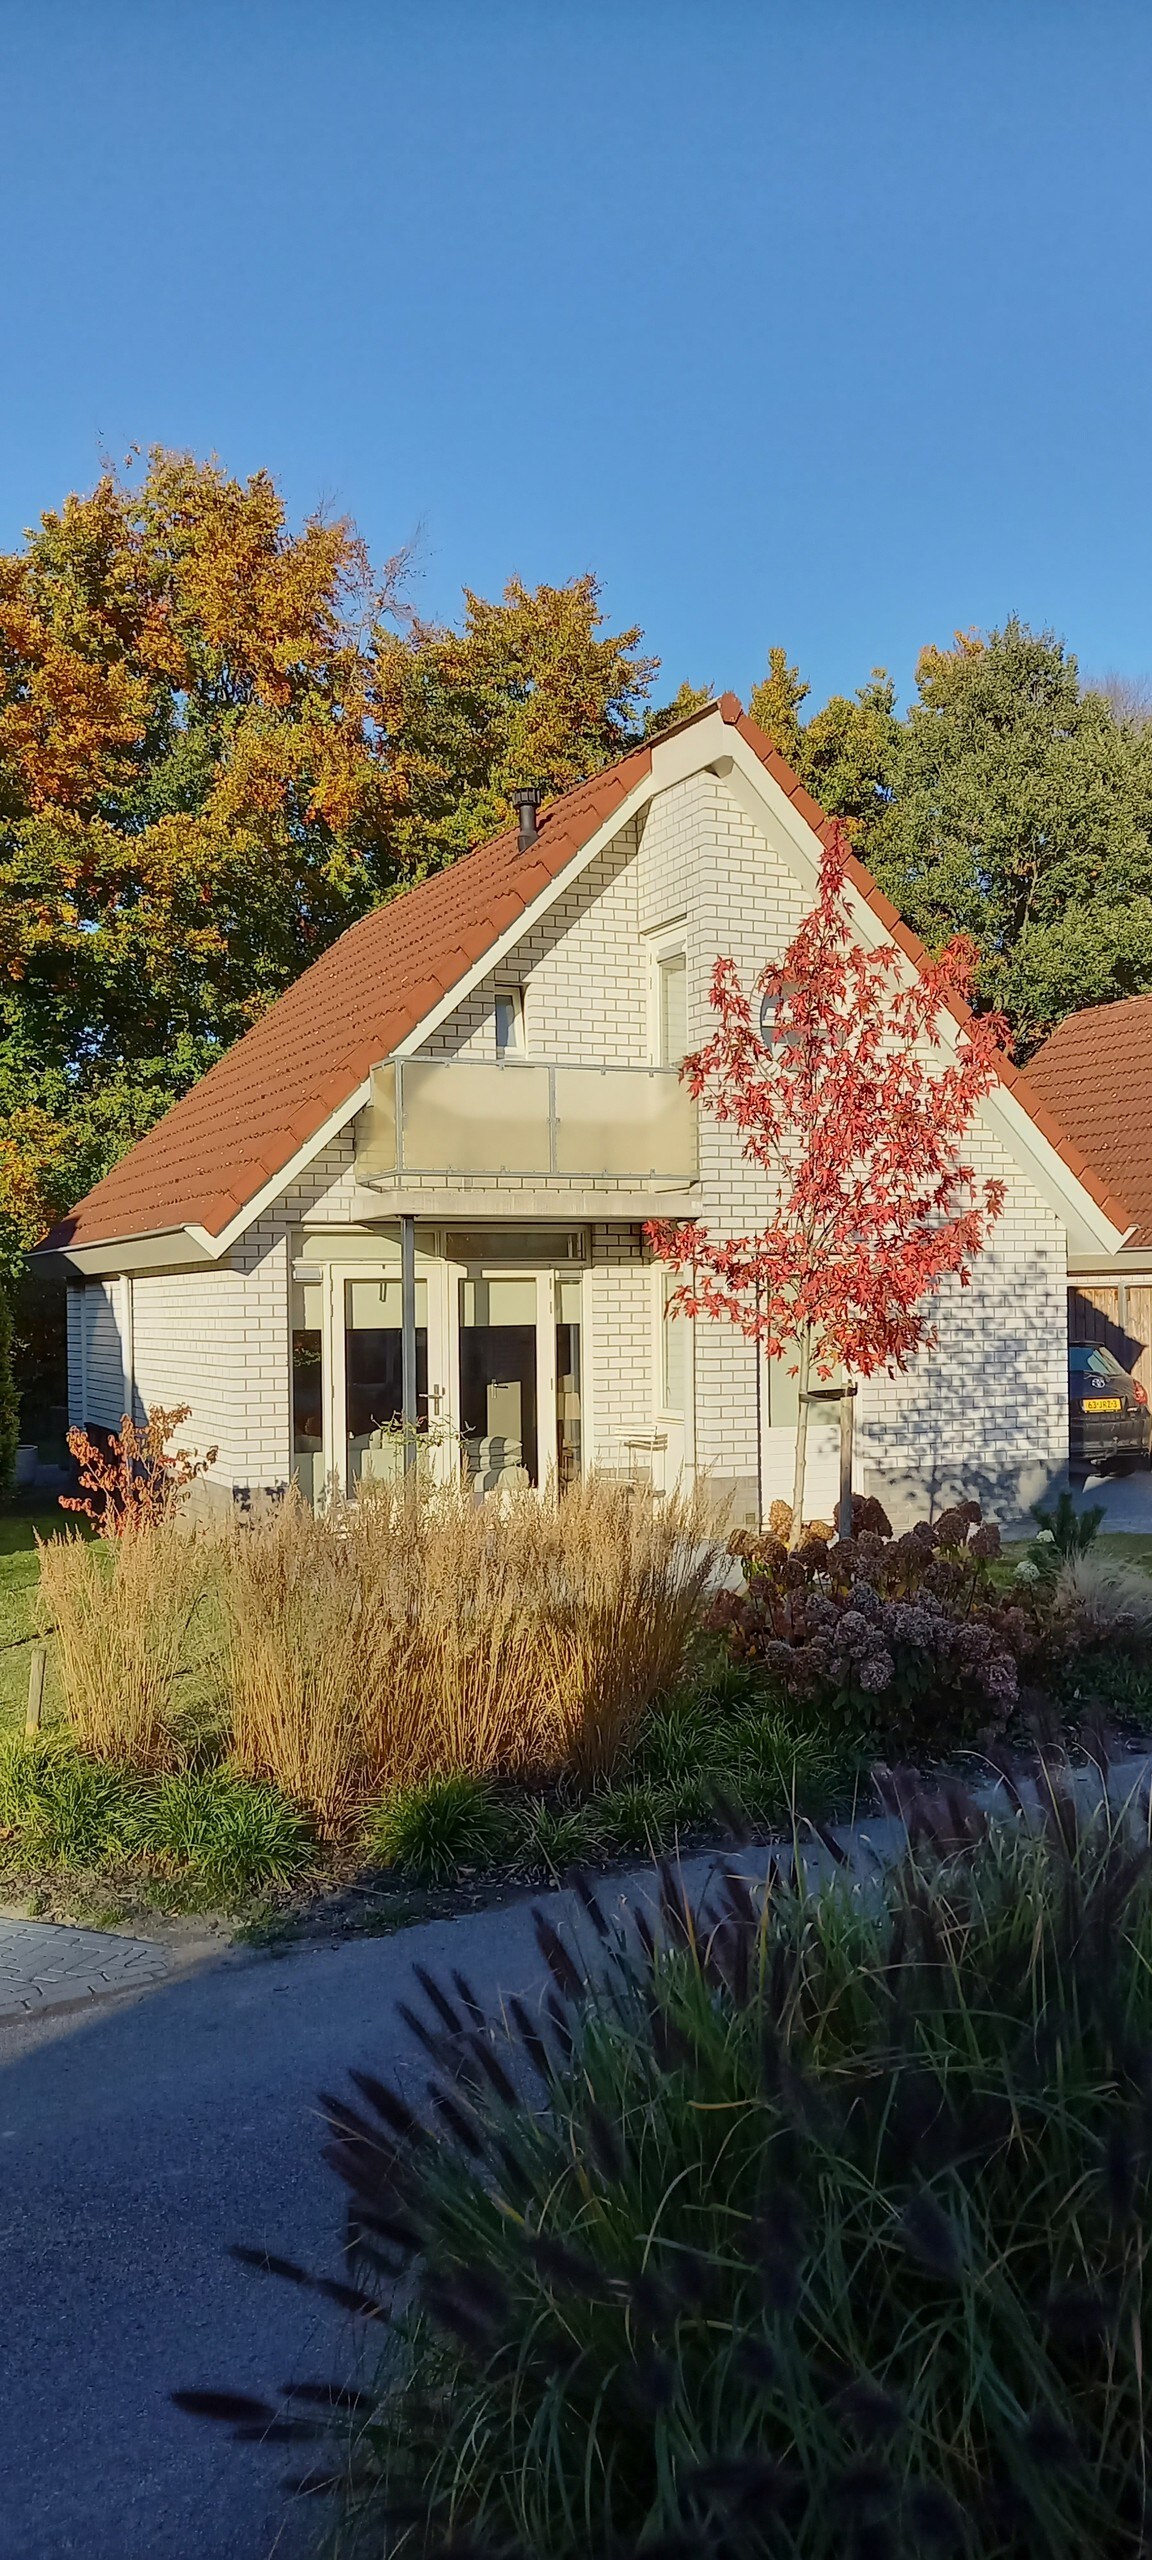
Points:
(500, 1330)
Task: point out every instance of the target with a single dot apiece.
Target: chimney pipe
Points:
(526, 804)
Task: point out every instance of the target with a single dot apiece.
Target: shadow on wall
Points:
(996, 1447)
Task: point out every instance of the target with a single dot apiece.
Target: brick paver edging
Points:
(44, 1966)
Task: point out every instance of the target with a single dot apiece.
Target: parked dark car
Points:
(1108, 1416)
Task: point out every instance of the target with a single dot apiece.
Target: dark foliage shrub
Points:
(907, 1635)
(9, 1405)
(1065, 1532)
(825, 2229)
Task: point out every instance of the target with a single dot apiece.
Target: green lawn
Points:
(200, 1678)
(18, 1578)
(1132, 1546)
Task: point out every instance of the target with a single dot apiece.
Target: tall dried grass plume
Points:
(121, 1610)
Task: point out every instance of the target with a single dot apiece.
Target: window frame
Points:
(668, 951)
(510, 995)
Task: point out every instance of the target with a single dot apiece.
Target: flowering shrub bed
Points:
(906, 1634)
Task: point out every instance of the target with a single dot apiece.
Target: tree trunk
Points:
(804, 1345)
(847, 1418)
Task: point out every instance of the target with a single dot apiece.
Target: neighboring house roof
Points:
(274, 1091)
(1095, 1073)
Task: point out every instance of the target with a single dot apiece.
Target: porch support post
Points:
(408, 1339)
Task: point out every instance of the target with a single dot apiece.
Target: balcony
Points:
(558, 1130)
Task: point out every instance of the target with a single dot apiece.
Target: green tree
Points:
(1012, 803)
(844, 754)
(1021, 813)
(775, 706)
(215, 753)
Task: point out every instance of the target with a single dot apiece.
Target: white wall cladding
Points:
(582, 970)
(217, 1340)
(96, 1389)
(619, 1359)
(983, 1413)
(75, 1323)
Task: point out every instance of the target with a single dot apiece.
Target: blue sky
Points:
(814, 323)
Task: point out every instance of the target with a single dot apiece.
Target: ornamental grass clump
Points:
(789, 2225)
(525, 1636)
(1102, 1601)
(300, 1644)
(432, 1832)
(121, 1610)
(418, 1634)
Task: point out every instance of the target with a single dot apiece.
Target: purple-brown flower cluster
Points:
(906, 1633)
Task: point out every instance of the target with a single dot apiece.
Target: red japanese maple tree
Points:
(858, 1128)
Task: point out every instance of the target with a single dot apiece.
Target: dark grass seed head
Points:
(937, 2523)
(558, 1957)
(931, 2237)
(604, 2145)
(868, 2409)
(564, 2268)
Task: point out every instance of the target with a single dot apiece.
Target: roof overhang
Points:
(170, 1249)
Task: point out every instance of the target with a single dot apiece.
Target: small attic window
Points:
(509, 1019)
(672, 1023)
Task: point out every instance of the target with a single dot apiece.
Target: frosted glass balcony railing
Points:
(451, 1116)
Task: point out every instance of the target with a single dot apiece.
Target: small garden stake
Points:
(36, 1670)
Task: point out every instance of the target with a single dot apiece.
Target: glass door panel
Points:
(568, 1393)
(308, 1387)
(373, 1377)
(498, 1400)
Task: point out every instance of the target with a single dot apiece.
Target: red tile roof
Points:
(248, 1117)
(1095, 1073)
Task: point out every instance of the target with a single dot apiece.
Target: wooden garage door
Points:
(1121, 1318)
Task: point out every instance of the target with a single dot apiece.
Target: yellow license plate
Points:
(1101, 1404)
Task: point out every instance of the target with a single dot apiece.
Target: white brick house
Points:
(482, 1076)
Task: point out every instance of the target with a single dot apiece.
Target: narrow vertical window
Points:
(307, 1389)
(673, 1350)
(509, 1015)
(374, 1376)
(673, 998)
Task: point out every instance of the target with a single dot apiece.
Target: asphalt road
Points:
(138, 2139)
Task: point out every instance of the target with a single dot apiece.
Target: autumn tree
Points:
(188, 803)
(833, 1075)
(222, 740)
(529, 690)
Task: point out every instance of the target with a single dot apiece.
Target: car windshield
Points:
(1091, 1356)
